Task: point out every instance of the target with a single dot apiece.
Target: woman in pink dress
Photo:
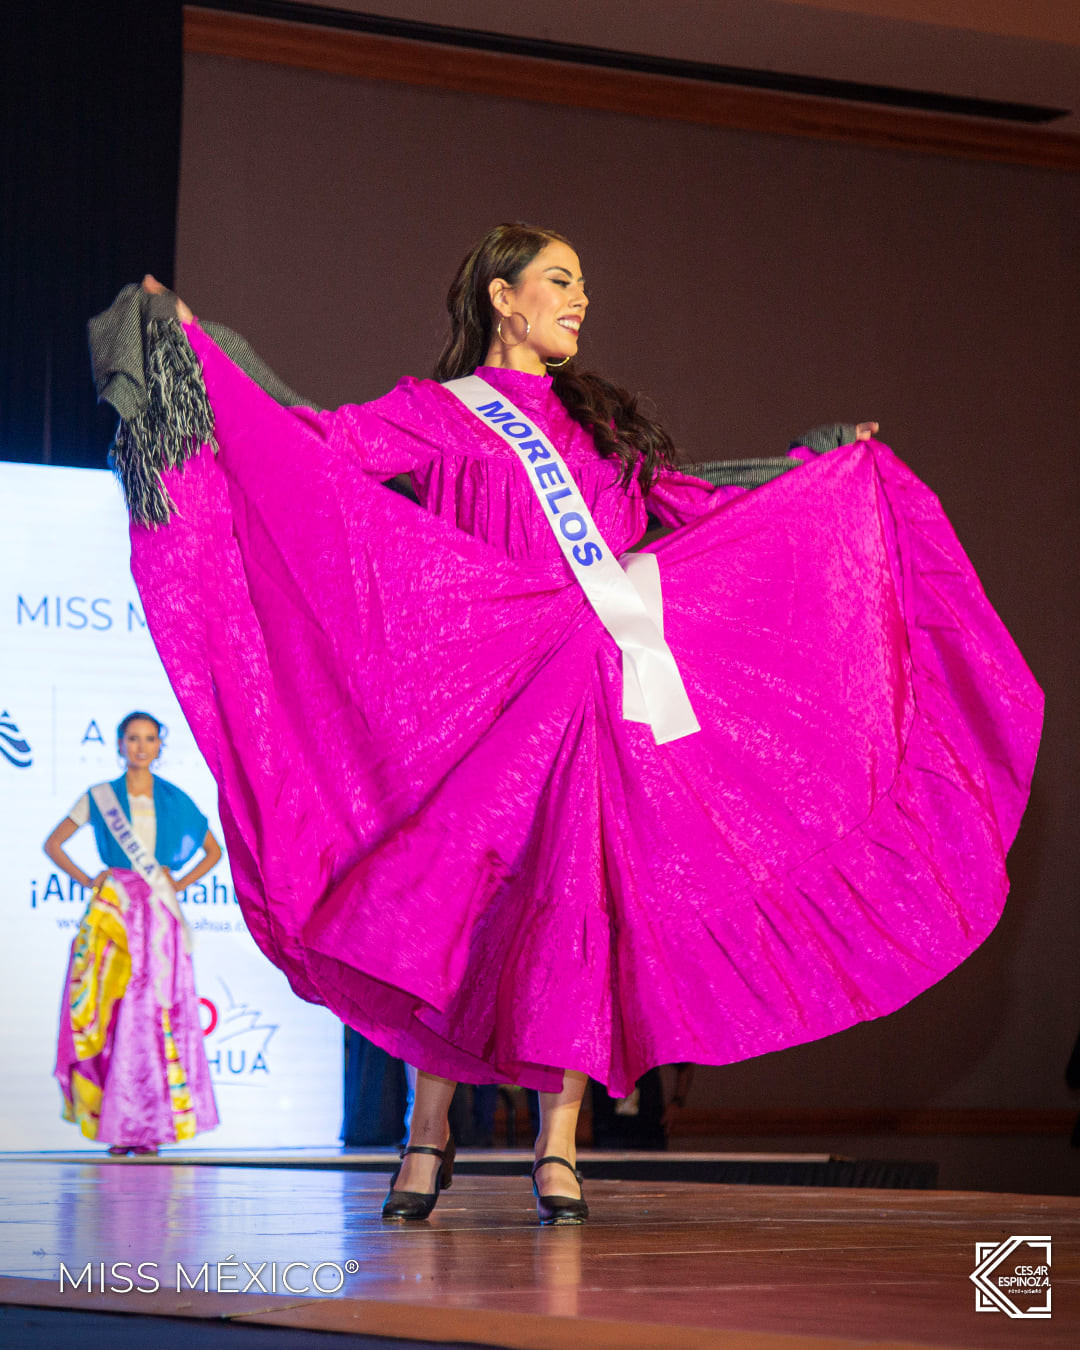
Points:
(449, 820)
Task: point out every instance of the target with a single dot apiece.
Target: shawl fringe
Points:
(176, 421)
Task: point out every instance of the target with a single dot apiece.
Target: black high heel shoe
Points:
(559, 1208)
(419, 1204)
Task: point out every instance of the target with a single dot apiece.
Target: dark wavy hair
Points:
(139, 717)
(620, 428)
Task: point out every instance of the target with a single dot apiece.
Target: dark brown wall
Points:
(752, 285)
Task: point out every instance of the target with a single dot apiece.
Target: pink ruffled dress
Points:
(441, 827)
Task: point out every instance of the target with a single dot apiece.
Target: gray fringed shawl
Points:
(144, 367)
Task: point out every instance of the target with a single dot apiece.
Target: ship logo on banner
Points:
(237, 1039)
(13, 745)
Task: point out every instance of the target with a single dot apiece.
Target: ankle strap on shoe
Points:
(551, 1158)
(424, 1148)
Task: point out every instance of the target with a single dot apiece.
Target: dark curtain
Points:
(90, 107)
(375, 1094)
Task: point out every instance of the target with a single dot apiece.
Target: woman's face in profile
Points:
(140, 744)
(550, 294)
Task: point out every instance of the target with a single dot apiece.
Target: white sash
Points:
(140, 857)
(628, 603)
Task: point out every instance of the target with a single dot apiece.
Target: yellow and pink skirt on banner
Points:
(131, 1063)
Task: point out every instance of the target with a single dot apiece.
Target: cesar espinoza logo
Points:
(13, 745)
(1022, 1288)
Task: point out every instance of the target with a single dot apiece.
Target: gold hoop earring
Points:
(554, 365)
(517, 341)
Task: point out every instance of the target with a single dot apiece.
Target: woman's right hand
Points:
(99, 881)
(154, 287)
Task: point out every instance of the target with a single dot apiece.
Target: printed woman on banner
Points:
(130, 1058)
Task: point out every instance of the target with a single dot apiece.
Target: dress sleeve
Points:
(379, 437)
(676, 498)
(80, 812)
(383, 438)
(672, 502)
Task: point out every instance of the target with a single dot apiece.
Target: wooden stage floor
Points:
(667, 1265)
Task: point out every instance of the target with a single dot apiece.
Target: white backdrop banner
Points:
(75, 656)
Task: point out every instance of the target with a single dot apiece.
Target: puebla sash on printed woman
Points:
(141, 859)
(628, 602)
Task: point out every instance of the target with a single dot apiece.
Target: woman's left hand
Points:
(864, 430)
(154, 287)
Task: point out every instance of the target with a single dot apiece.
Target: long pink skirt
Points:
(441, 827)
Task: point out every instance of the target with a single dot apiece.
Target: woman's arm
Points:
(54, 851)
(832, 436)
(377, 436)
(679, 496)
(210, 859)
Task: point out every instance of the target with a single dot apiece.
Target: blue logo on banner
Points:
(13, 746)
